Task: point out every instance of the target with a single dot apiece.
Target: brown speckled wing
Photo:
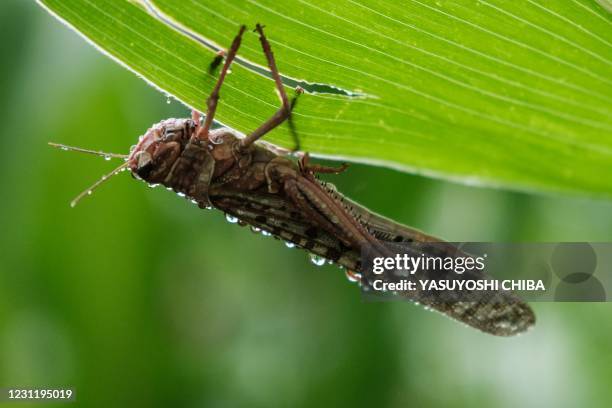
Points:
(496, 312)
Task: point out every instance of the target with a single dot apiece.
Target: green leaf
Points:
(511, 94)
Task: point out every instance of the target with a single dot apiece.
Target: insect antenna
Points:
(97, 184)
(88, 151)
(104, 178)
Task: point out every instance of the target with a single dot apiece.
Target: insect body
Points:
(261, 187)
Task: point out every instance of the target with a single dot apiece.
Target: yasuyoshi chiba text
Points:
(459, 285)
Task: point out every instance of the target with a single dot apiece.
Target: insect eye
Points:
(145, 170)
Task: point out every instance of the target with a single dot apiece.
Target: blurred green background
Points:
(137, 298)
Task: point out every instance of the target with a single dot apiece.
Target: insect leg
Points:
(308, 168)
(272, 65)
(328, 213)
(296, 140)
(285, 110)
(216, 62)
(212, 100)
(312, 211)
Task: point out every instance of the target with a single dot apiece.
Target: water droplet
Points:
(231, 219)
(255, 229)
(107, 157)
(289, 244)
(352, 276)
(64, 148)
(153, 185)
(317, 260)
(180, 194)
(265, 233)
(169, 188)
(89, 192)
(168, 99)
(193, 201)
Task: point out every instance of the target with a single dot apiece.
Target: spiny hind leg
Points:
(284, 113)
(211, 102)
(312, 209)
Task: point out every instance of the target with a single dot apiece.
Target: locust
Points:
(265, 187)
